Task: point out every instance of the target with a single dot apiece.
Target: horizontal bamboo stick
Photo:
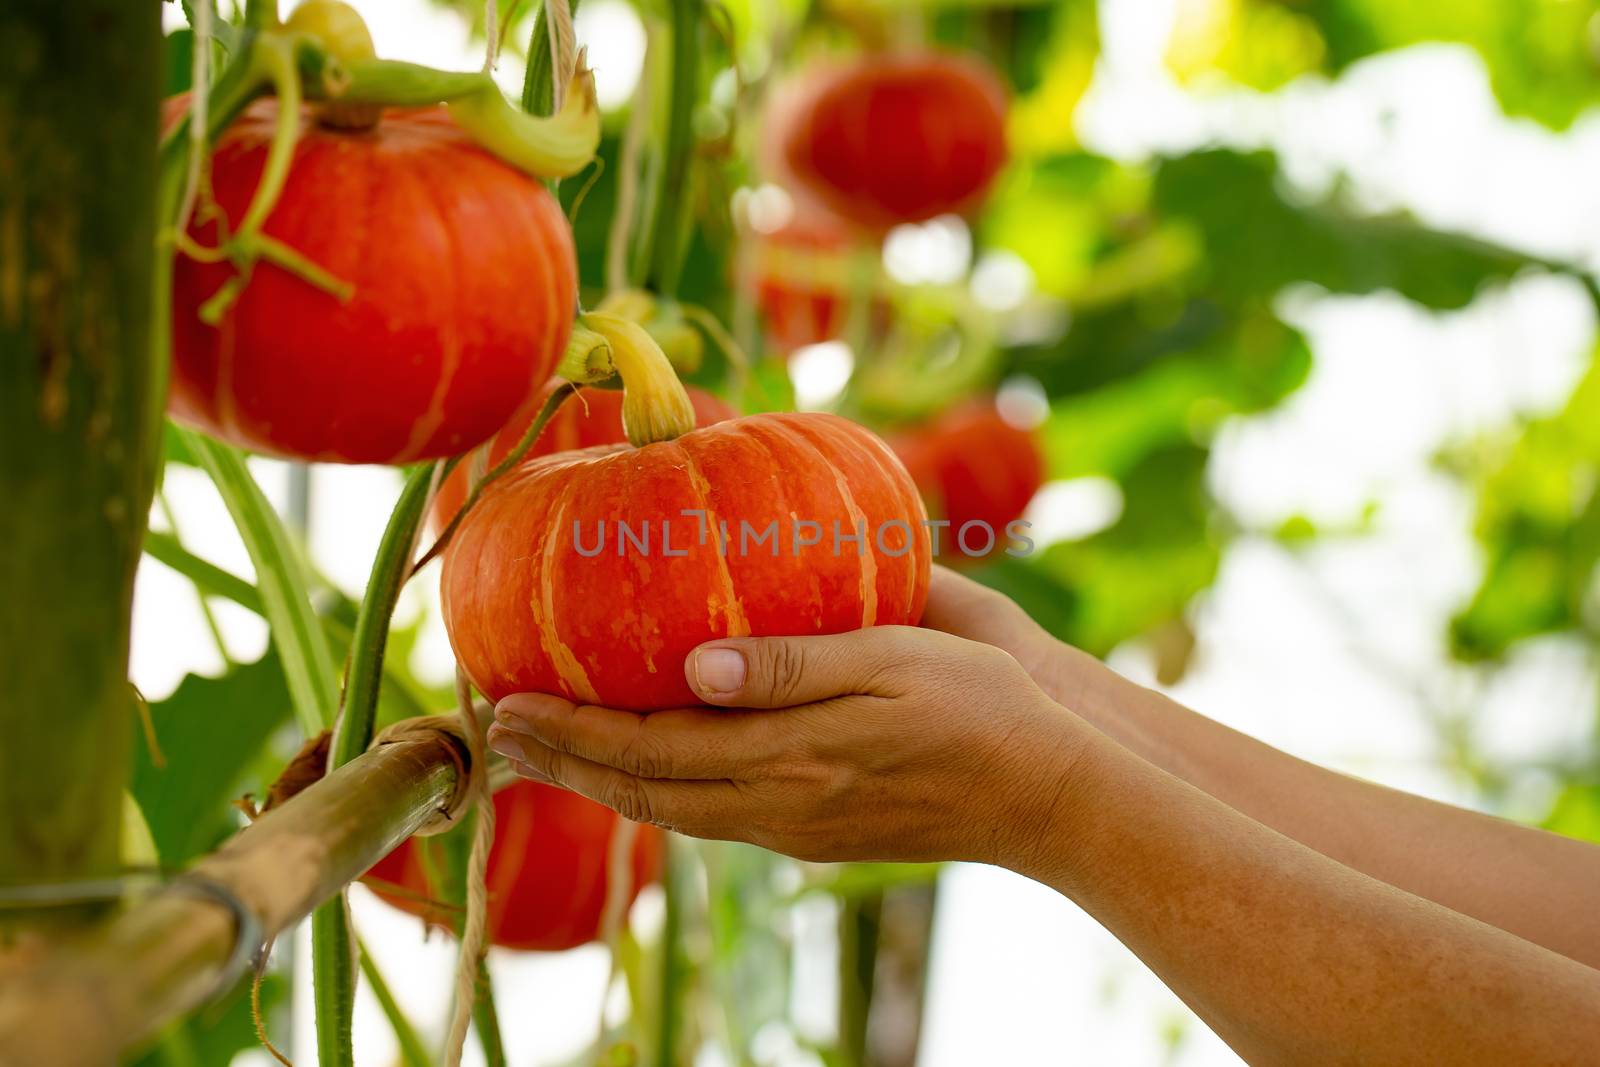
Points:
(119, 982)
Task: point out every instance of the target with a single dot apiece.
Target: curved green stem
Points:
(671, 226)
(275, 56)
(333, 982)
(535, 428)
(352, 733)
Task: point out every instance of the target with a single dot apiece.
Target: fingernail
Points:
(507, 747)
(718, 670)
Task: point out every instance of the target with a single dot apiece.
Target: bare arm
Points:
(903, 744)
(1537, 885)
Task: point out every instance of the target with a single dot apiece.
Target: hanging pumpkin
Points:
(592, 574)
(547, 875)
(973, 466)
(463, 283)
(895, 138)
(586, 418)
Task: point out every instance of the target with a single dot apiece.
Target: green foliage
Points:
(296, 633)
(1539, 53)
(1258, 238)
(208, 733)
(1539, 524)
(214, 1034)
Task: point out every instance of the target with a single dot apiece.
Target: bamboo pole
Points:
(101, 994)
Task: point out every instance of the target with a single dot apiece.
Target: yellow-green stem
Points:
(655, 406)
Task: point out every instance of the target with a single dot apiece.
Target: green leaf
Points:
(280, 573)
(179, 54)
(1539, 524)
(209, 731)
(1577, 812)
(1539, 52)
(1141, 572)
(212, 1035)
(1259, 238)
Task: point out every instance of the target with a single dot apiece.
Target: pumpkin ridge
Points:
(867, 565)
(432, 417)
(732, 608)
(559, 654)
(873, 448)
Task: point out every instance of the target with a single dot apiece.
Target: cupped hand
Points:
(892, 743)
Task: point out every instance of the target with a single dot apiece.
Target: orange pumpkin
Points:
(895, 138)
(531, 605)
(973, 467)
(464, 283)
(547, 872)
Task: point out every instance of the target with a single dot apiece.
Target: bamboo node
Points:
(425, 728)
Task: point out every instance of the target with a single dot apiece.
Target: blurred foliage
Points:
(1539, 522)
(1541, 55)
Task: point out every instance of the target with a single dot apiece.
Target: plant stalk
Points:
(79, 388)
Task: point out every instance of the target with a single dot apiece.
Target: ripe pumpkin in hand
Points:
(973, 466)
(586, 418)
(463, 277)
(547, 870)
(529, 609)
(895, 138)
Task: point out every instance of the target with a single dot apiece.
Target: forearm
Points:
(1288, 955)
(1537, 885)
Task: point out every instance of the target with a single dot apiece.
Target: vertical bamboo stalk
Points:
(80, 393)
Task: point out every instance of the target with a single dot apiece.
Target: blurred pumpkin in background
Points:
(973, 465)
(548, 870)
(891, 138)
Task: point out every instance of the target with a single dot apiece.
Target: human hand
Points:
(1073, 678)
(892, 743)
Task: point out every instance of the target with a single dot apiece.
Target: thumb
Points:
(781, 672)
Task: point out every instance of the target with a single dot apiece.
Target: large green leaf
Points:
(209, 732)
(1539, 53)
(1259, 238)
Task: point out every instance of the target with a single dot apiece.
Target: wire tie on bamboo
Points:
(248, 937)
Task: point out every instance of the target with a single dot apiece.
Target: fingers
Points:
(704, 809)
(688, 743)
(783, 672)
(958, 605)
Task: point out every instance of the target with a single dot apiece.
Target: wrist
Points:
(1039, 789)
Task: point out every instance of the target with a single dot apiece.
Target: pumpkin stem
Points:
(654, 404)
(665, 321)
(587, 358)
(555, 147)
(340, 31)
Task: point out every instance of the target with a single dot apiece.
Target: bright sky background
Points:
(1336, 656)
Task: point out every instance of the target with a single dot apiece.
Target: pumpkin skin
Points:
(547, 869)
(464, 278)
(973, 466)
(586, 418)
(897, 138)
(526, 611)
